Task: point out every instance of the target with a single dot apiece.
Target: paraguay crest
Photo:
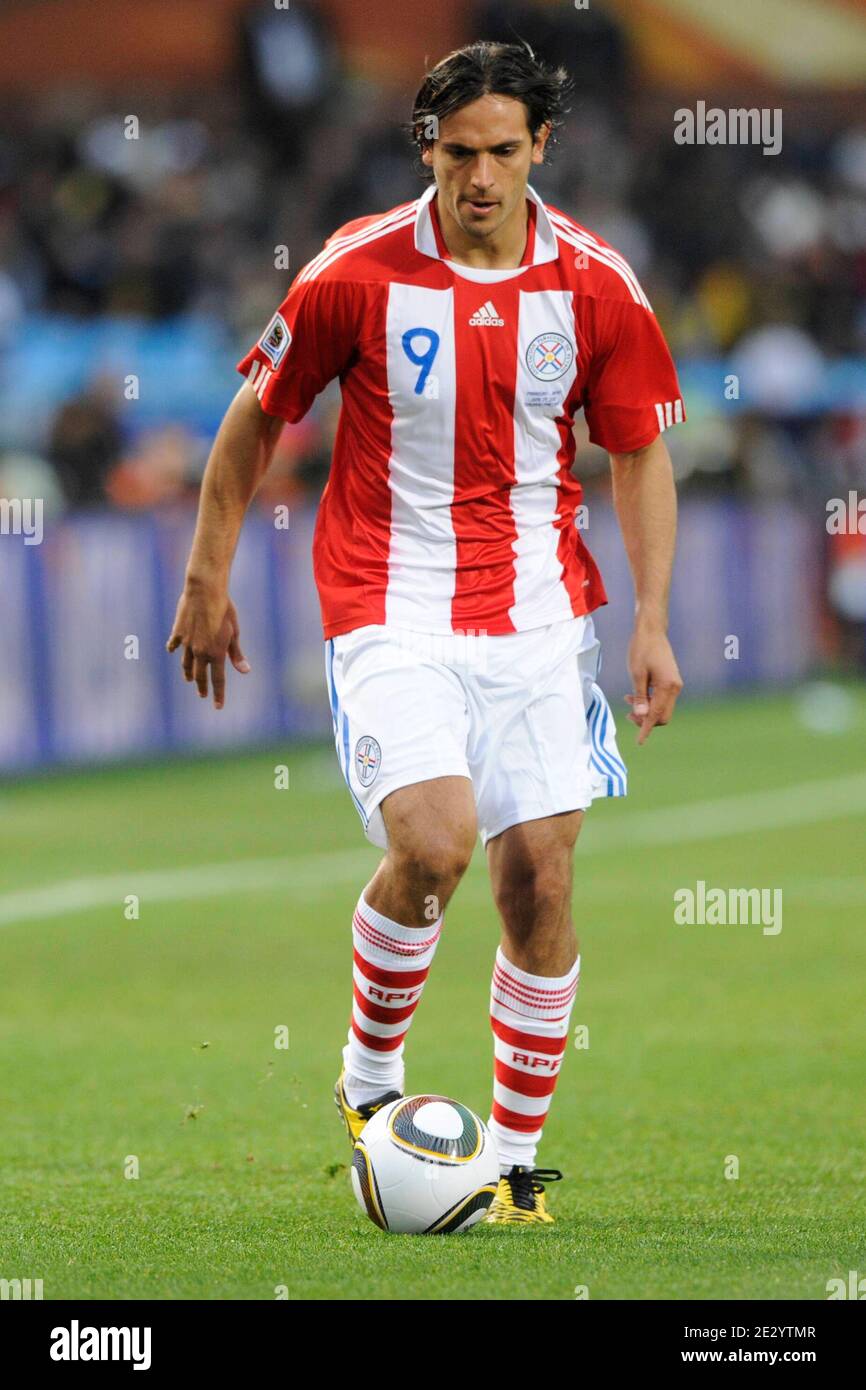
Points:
(549, 356)
(368, 759)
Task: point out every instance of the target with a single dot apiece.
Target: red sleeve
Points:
(632, 392)
(309, 341)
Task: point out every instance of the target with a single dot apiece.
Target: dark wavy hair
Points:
(504, 69)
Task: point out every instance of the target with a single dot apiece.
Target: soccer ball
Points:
(425, 1165)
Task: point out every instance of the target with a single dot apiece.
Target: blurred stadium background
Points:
(135, 271)
(133, 275)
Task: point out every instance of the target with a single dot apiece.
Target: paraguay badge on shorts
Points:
(368, 759)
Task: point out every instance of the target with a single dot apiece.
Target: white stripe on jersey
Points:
(537, 568)
(582, 242)
(258, 376)
(596, 254)
(335, 249)
(669, 413)
(566, 224)
(422, 564)
(335, 242)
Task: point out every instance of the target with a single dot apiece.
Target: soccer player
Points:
(467, 328)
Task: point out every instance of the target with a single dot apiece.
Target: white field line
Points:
(303, 877)
(803, 804)
(308, 876)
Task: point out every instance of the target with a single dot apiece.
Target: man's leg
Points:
(431, 836)
(534, 978)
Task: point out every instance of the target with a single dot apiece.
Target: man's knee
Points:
(431, 839)
(531, 870)
(437, 859)
(532, 889)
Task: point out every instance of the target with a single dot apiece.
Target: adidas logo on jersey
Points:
(486, 317)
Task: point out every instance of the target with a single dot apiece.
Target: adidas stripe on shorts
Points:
(521, 715)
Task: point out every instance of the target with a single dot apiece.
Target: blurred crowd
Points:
(167, 208)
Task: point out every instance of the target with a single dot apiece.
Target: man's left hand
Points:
(657, 680)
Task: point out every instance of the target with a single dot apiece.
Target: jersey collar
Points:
(545, 249)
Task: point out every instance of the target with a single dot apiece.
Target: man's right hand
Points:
(206, 626)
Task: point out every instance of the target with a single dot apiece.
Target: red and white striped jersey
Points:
(450, 504)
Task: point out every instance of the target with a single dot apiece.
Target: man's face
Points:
(481, 162)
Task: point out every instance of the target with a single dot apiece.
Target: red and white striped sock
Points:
(529, 1016)
(391, 966)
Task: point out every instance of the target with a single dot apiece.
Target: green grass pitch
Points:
(154, 1038)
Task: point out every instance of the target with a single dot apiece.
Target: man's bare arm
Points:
(646, 506)
(206, 623)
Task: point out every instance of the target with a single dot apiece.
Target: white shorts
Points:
(520, 715)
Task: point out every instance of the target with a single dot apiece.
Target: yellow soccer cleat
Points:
(519, 1199)
(354, 1120)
